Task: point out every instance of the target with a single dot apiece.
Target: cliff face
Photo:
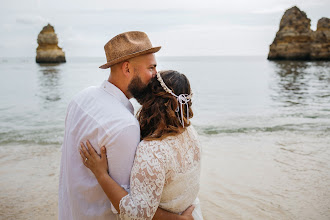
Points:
(48, 51)
(320, 49)
(296, 41)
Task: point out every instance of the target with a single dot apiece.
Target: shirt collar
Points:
(118, 94)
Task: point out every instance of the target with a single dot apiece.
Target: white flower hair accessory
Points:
(183, 99)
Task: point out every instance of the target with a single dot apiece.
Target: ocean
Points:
(264, 127)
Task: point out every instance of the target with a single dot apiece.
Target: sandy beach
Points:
(264, 178)
(29, 182)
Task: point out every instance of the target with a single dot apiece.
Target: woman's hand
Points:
(96, 163)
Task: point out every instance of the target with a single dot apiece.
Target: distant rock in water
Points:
(48, 51)
(296, 41)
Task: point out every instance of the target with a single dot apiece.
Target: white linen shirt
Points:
(105, 117)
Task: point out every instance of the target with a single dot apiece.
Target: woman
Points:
(166, 169)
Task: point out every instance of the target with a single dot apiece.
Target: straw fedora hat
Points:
(126, 46)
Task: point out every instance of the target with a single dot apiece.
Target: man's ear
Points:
(125, 67)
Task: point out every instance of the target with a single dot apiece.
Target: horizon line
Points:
(256, 55)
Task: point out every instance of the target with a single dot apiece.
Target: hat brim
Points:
(121, 59)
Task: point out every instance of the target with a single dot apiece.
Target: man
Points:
(105, 116)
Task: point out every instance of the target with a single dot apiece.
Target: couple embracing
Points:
(117, 166)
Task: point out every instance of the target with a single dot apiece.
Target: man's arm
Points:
(120, 150)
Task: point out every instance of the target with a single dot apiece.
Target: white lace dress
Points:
(165, 173)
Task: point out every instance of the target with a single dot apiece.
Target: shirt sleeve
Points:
(121, 153)
(147, 183)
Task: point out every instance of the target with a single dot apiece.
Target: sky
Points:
(181, 27)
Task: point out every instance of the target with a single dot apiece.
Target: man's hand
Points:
(187, 214)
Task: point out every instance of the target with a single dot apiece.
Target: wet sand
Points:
(266, 176)
(243, 177)
(29, 182)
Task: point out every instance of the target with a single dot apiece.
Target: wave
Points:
(32, 138)
(54, 135)
(307, 127)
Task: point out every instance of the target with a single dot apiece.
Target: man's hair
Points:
(157, 116)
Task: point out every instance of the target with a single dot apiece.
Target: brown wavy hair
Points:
(157, 116)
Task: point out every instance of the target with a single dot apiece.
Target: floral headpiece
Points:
(183, 99)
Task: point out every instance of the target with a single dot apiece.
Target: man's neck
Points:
(120, 85)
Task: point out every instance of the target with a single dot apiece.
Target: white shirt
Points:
(104, 116)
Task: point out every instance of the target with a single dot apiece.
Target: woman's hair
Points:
(157, 116)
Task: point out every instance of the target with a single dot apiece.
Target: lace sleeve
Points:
(147, 182)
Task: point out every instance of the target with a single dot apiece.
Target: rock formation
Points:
(296, 41)
(320, 48)
(48, 51)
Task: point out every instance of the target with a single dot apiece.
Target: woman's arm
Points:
(110, 187)
(98, 165)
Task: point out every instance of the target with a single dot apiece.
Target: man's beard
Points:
(138, 89)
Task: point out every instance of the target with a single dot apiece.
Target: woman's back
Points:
(169, 171)
(183, 171)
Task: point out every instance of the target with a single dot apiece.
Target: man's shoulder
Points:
(89, 91)
(120, 121)
(95, 97)
(102, 108)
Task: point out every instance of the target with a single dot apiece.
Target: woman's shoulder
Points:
(191, 129)
(164, 144)
(154, 148)
(192, 132)
(152, 144)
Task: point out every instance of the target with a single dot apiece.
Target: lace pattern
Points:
(165, 174)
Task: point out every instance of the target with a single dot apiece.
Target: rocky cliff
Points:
(320, 48)
(48, 51)
(296, 41)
